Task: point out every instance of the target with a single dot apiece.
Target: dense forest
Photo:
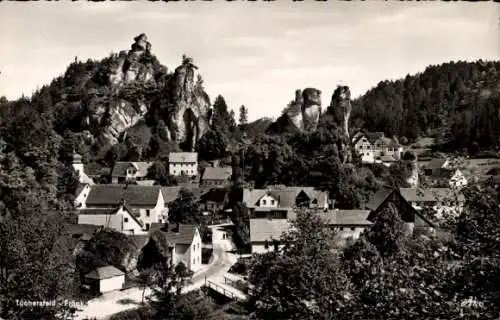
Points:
(456, 102)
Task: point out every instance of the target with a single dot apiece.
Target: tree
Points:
(221, 119)
(241, 219)
(212, 145)
(159, 173)
(184, 209)
(243, 119)
(303, 280)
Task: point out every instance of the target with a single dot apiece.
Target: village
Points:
(139, 208)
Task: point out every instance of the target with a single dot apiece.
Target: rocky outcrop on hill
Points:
(301, 115)
(190, 115)
(133, 65)
(109, 97)
(340, 108)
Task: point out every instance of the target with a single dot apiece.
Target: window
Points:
(147, 226)
(147, 213)
(263, 202)
(125, 219)
(194, 261)
(272, 202)
(341, 228)
(352, 229)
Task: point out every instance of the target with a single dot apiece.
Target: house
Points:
(145, 202)
(454, 178)
(216, 176)
(105, 279)
(434, 165)
(81, 193)
(77, 164)
(373, 145)
(178, 243)
(214, 200)
(441, 200)
(387, 197)
(265, 234)
(348, 224)
(278, 202)
(120, 219)
(124, 171)
(183, 163)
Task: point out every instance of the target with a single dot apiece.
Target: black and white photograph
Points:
(249, 160)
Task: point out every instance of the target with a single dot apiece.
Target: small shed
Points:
(105, 279)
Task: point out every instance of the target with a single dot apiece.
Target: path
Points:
(113, 302)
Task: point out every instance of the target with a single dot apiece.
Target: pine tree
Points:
(243, 120)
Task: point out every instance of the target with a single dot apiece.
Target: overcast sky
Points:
(253, 53)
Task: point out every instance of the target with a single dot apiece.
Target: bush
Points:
(143, 313)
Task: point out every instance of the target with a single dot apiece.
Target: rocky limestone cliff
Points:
(190, 115)
(109, 97)
(133, 65)
(301, 115)
(340, 108)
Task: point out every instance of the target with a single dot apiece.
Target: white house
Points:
(265, 233)
(77, 164)
(120, 219)
(279, 201)
(145, 202)
(105, 279)
(181, 243)
(129, 171)
(373, 145)
(183, 163)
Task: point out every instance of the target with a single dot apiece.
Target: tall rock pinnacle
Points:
(340, 108)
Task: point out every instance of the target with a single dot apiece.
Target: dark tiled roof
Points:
(267, 229)
(184, 235)
(104, 273)
(96, 211)
(435, 164)
(170, 193)
(378, 198)
(285, 196)
(346, 217)
(430, 194)
(218, 195)
(217, 173)
(112, 194)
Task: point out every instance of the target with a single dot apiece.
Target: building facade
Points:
(183, 163)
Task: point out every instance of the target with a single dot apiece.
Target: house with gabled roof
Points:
(120, 219)
(216, 177)
(145, 202)
(183, 163)
(278, 202)
(441, 200)
(348, 224)
(105, 279)
(177, 243)
(374, 145)
(388, 197)
(124, 171)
